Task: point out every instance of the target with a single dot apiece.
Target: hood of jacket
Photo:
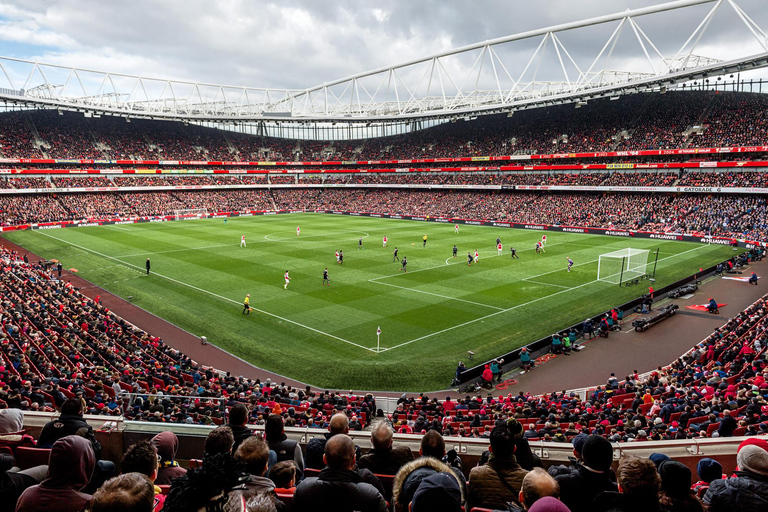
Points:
(166, 444)
(410, 476)
(71, 463)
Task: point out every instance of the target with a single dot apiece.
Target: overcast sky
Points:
(298, 44)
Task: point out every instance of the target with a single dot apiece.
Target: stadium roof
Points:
(485, 77)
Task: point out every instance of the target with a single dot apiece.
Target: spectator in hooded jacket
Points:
(167, 445)
(579, 488)
(70, 468)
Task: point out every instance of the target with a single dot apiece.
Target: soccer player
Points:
(337, 256)
(298, 230)
(499, 248)
(469, 259)
(247, 305)
(360, 243)
(543, 240)
(394, 256)
(498, 240)
(477, 256)
(539, 248)
(455, 250)
(385, 241)
(242, 241)
(424, 238)
(325, 277)
(341, 257)
(404, 263)
(570, 263)
(147, 265)
(456, 228)
(514, 253)
(287, 280)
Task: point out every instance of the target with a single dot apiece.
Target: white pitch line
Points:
(436, 295)
(515, 307)
(544, 284)
(210, 293)
(488, 316)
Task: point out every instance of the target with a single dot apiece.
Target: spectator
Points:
(676, 494)
(286, 449)
(70, 468)
(238, 419)
(639, 484)
(167, 444)
(11, 420)
(708, 470)
(129, 492)
(748, 489)
(537, 484)
(383, 458)
(141, 458)
(283, 475)
(219, 440)
(499, 481)
(338, 487)
(253, 452)
(216, 485)
(14, 482)
(579, 488)
(437, 493)
(316, 447)
(409, 476)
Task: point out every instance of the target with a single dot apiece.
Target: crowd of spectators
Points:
(724, 179)
(62, 350)
(632, 122)
(742, 216)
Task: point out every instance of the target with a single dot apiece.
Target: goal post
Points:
(190, 213)
(623, 265)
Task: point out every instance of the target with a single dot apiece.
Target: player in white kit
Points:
(242, 241)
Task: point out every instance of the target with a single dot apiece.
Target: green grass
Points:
(326, 335)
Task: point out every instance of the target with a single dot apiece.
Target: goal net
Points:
(623, 265)
(190, 213)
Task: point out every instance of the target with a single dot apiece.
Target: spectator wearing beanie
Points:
(748, 490)
(579, 488)
(439, 492)
(676, 494)
(708, 470)
(549, 504)
(576, 460)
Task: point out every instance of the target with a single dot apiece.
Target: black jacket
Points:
(337, 490)
(67, 425)
(748, 491)
(579, 488)
(615, 502)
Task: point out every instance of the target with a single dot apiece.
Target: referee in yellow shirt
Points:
(247, 305)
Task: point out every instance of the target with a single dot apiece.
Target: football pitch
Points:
(326, 335)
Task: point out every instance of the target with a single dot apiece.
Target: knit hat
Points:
(709, 469)
(762, 443)
(515, 427)
(675, 478)
(597, 453)
(754, 459)
(658, 458)
(578, 442)
(548, 504)
(437, 492)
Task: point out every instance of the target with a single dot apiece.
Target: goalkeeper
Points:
(247, 305)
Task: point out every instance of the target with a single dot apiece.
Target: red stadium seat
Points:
(27, 457)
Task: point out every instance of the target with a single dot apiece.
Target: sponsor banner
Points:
(437, 220)
(620, 166)
(533, 226)
(575, 230)
(665, 236)
(707, 164)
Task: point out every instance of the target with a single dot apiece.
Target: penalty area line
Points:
(212, 294)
